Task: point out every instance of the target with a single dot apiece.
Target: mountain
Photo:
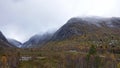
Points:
(86, 25)
(15, 42)
(4, 42)
(78, 30)
(2, 37)
(37, 40)
(83, 32)
(32, 41)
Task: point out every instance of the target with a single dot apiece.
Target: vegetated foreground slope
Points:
(8, 53)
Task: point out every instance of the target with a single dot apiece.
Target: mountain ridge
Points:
(4, 42)
(37, 40)
(79, 26)
(15, 42)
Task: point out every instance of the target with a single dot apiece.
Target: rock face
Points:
(90, 26)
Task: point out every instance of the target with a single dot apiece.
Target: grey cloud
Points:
(38, 16)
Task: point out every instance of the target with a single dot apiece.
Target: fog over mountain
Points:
(21, 19)
(93, 27)
(78, 26)
(15, 42)
(37, 40)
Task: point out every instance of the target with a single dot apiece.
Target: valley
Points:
(80, 43)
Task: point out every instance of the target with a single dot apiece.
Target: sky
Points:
(21, 19)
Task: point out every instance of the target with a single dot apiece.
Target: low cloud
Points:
(20, 19)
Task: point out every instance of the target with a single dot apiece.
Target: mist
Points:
(21, 19)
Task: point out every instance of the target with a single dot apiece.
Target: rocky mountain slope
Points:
(15, 42)
(4, 42)
(80, 26)
(91, 28)
(37, 40)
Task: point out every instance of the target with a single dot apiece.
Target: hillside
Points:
(80, 29)
(90, 42)
(15, 42)
(37, 40)
(4, 42)
(87, 25)
(81, 32)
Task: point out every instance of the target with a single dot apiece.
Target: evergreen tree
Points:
(92, 50)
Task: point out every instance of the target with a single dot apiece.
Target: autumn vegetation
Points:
(84, 51)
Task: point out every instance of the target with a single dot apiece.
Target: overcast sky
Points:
(21, 19)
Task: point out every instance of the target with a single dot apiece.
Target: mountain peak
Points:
(81, 25)
(94, 20)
